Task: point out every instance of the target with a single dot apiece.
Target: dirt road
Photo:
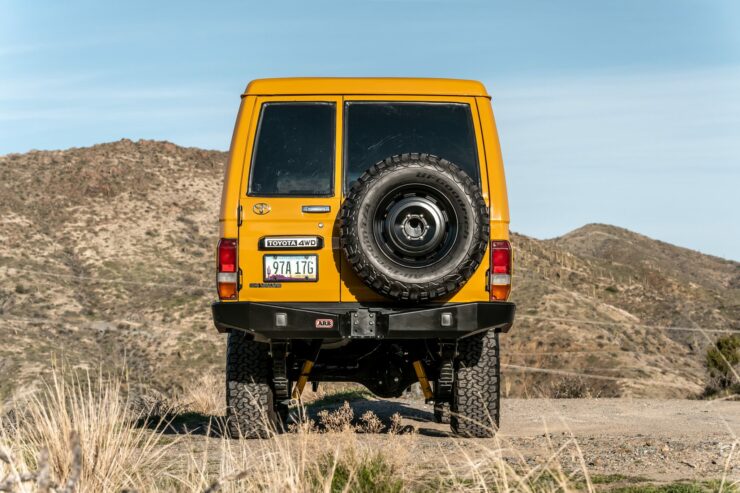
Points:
(657, 439)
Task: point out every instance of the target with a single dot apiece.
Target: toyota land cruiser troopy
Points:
(365, 238)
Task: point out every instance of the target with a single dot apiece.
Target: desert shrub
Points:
(570, 388)
(370, 423)
(723, 364)
(343, 419)
(206, 396)
(338, 420)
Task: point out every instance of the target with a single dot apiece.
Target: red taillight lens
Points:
(500, 275)
(226, 255)
(227, 277)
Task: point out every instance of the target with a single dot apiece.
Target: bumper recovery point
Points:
(356, 321)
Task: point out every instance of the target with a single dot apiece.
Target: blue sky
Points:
(618, 111)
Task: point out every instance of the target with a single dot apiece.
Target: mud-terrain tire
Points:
(476, 391)
(414, 227)
(249, 396)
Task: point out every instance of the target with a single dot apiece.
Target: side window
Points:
(377, 130)
(294, 150)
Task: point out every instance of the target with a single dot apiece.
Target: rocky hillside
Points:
(633, 313)
(106, 259)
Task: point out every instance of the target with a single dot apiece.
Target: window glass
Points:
(294, 150)
(375, 131)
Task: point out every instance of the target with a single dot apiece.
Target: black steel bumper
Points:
(361, 321)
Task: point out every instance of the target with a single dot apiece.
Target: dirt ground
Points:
(658, 440)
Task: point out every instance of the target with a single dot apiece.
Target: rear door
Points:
(377, 127)
(290, 199)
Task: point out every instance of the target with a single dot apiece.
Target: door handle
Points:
(315, 209)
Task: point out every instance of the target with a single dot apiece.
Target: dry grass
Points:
(206, 396)
(80, 434)
(80, 431)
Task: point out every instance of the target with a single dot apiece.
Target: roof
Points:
(365, 86)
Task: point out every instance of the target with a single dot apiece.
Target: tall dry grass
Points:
(80, 433)
(206, 396)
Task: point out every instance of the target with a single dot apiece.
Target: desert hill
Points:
(106, 257)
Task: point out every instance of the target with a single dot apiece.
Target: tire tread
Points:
(476, 389)
(386, 285)
(249, 396)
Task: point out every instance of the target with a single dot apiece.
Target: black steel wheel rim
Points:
(415, 226)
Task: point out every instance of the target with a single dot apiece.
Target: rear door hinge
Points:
(239, 215)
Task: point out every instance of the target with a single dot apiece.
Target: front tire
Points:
(249, 396)
(476, 392)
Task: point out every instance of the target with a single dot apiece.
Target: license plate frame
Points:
(305, 276)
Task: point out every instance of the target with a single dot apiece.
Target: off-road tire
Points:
(249, 396)
(476, 391)
(454, 258)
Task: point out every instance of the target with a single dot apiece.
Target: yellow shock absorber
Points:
(423, 381)
(301, 383)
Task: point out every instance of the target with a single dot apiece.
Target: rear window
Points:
(377, 130)
(294, 151)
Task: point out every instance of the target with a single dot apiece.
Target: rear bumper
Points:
(362, 321)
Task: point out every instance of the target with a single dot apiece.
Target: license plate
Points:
(290, 268)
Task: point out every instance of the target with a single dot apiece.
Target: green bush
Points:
(723, 364)
(362, 474)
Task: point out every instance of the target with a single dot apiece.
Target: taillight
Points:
(228, 269)
(500, 275)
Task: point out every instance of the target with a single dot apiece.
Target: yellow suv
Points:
(365, 238)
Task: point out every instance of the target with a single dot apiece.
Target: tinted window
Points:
(375, 131)
(294, 150)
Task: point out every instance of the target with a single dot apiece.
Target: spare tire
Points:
(414, 227)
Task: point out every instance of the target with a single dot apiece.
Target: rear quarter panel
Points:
(498, 198)
(228, 217)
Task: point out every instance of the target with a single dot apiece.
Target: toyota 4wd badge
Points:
(291, 243)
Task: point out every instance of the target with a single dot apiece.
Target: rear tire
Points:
(249, 396)
(476, 389)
